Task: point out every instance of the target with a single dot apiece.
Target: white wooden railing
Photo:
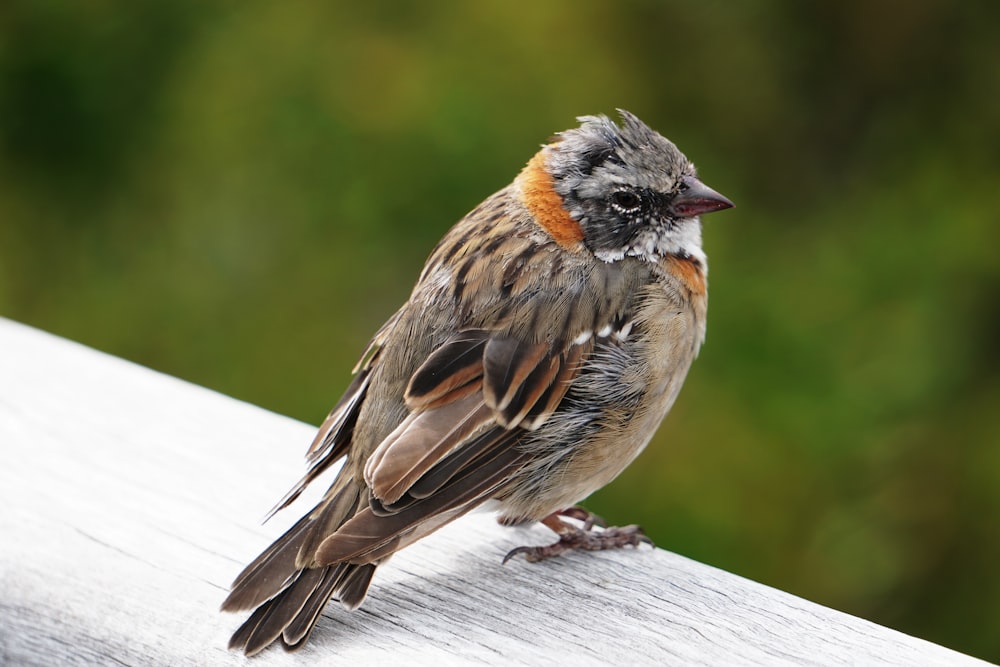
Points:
(130, 499)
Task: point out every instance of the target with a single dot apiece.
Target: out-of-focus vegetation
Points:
(238, 193)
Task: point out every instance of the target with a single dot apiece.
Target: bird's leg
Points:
(588, 518)
(572, 537)
(581, 514)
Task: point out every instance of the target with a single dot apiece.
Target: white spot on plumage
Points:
(609, 256)
(623, 333)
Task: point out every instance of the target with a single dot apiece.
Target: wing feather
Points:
(470, 384)
(527, 393)
(507, 364)
(420, 442)
(569, 367)
(453, 365)
(366, 532)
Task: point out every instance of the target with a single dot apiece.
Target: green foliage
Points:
(240, 193)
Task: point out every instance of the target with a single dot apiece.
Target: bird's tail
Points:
(288, 590)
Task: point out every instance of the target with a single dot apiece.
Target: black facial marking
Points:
(613, 222)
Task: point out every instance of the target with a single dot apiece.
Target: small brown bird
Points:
(548, 335)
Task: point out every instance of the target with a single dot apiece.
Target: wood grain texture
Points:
(131, 499)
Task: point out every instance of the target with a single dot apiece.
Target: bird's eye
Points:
(625, 201)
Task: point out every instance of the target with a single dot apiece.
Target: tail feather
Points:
(292, 614)
(242, 635)
(298, 630)
(329, 516)
(354, 588)
(271, 572)
(288, 587)
(281, 611)
(334, 550)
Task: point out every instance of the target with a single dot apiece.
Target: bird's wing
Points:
(470, 401)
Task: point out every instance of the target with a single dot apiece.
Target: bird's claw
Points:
(583, 538)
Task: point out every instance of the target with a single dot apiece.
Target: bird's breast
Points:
(615, 405)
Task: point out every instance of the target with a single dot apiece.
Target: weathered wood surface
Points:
(130, 499)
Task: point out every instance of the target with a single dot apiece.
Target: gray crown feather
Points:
(621, 153)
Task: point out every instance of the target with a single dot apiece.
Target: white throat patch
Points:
(654, 243)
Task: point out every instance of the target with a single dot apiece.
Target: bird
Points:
(546, 338)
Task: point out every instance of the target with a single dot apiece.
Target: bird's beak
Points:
(695, 198)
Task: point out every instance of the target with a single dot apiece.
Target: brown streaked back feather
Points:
(334, 435)
(330, 439)
(243, 633)
(433, 480)
(520, 400)
(466, 457)
(507, 363)
(520, 379)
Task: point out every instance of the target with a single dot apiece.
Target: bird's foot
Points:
(586, 538)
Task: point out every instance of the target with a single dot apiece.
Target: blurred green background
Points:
(239, 193)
